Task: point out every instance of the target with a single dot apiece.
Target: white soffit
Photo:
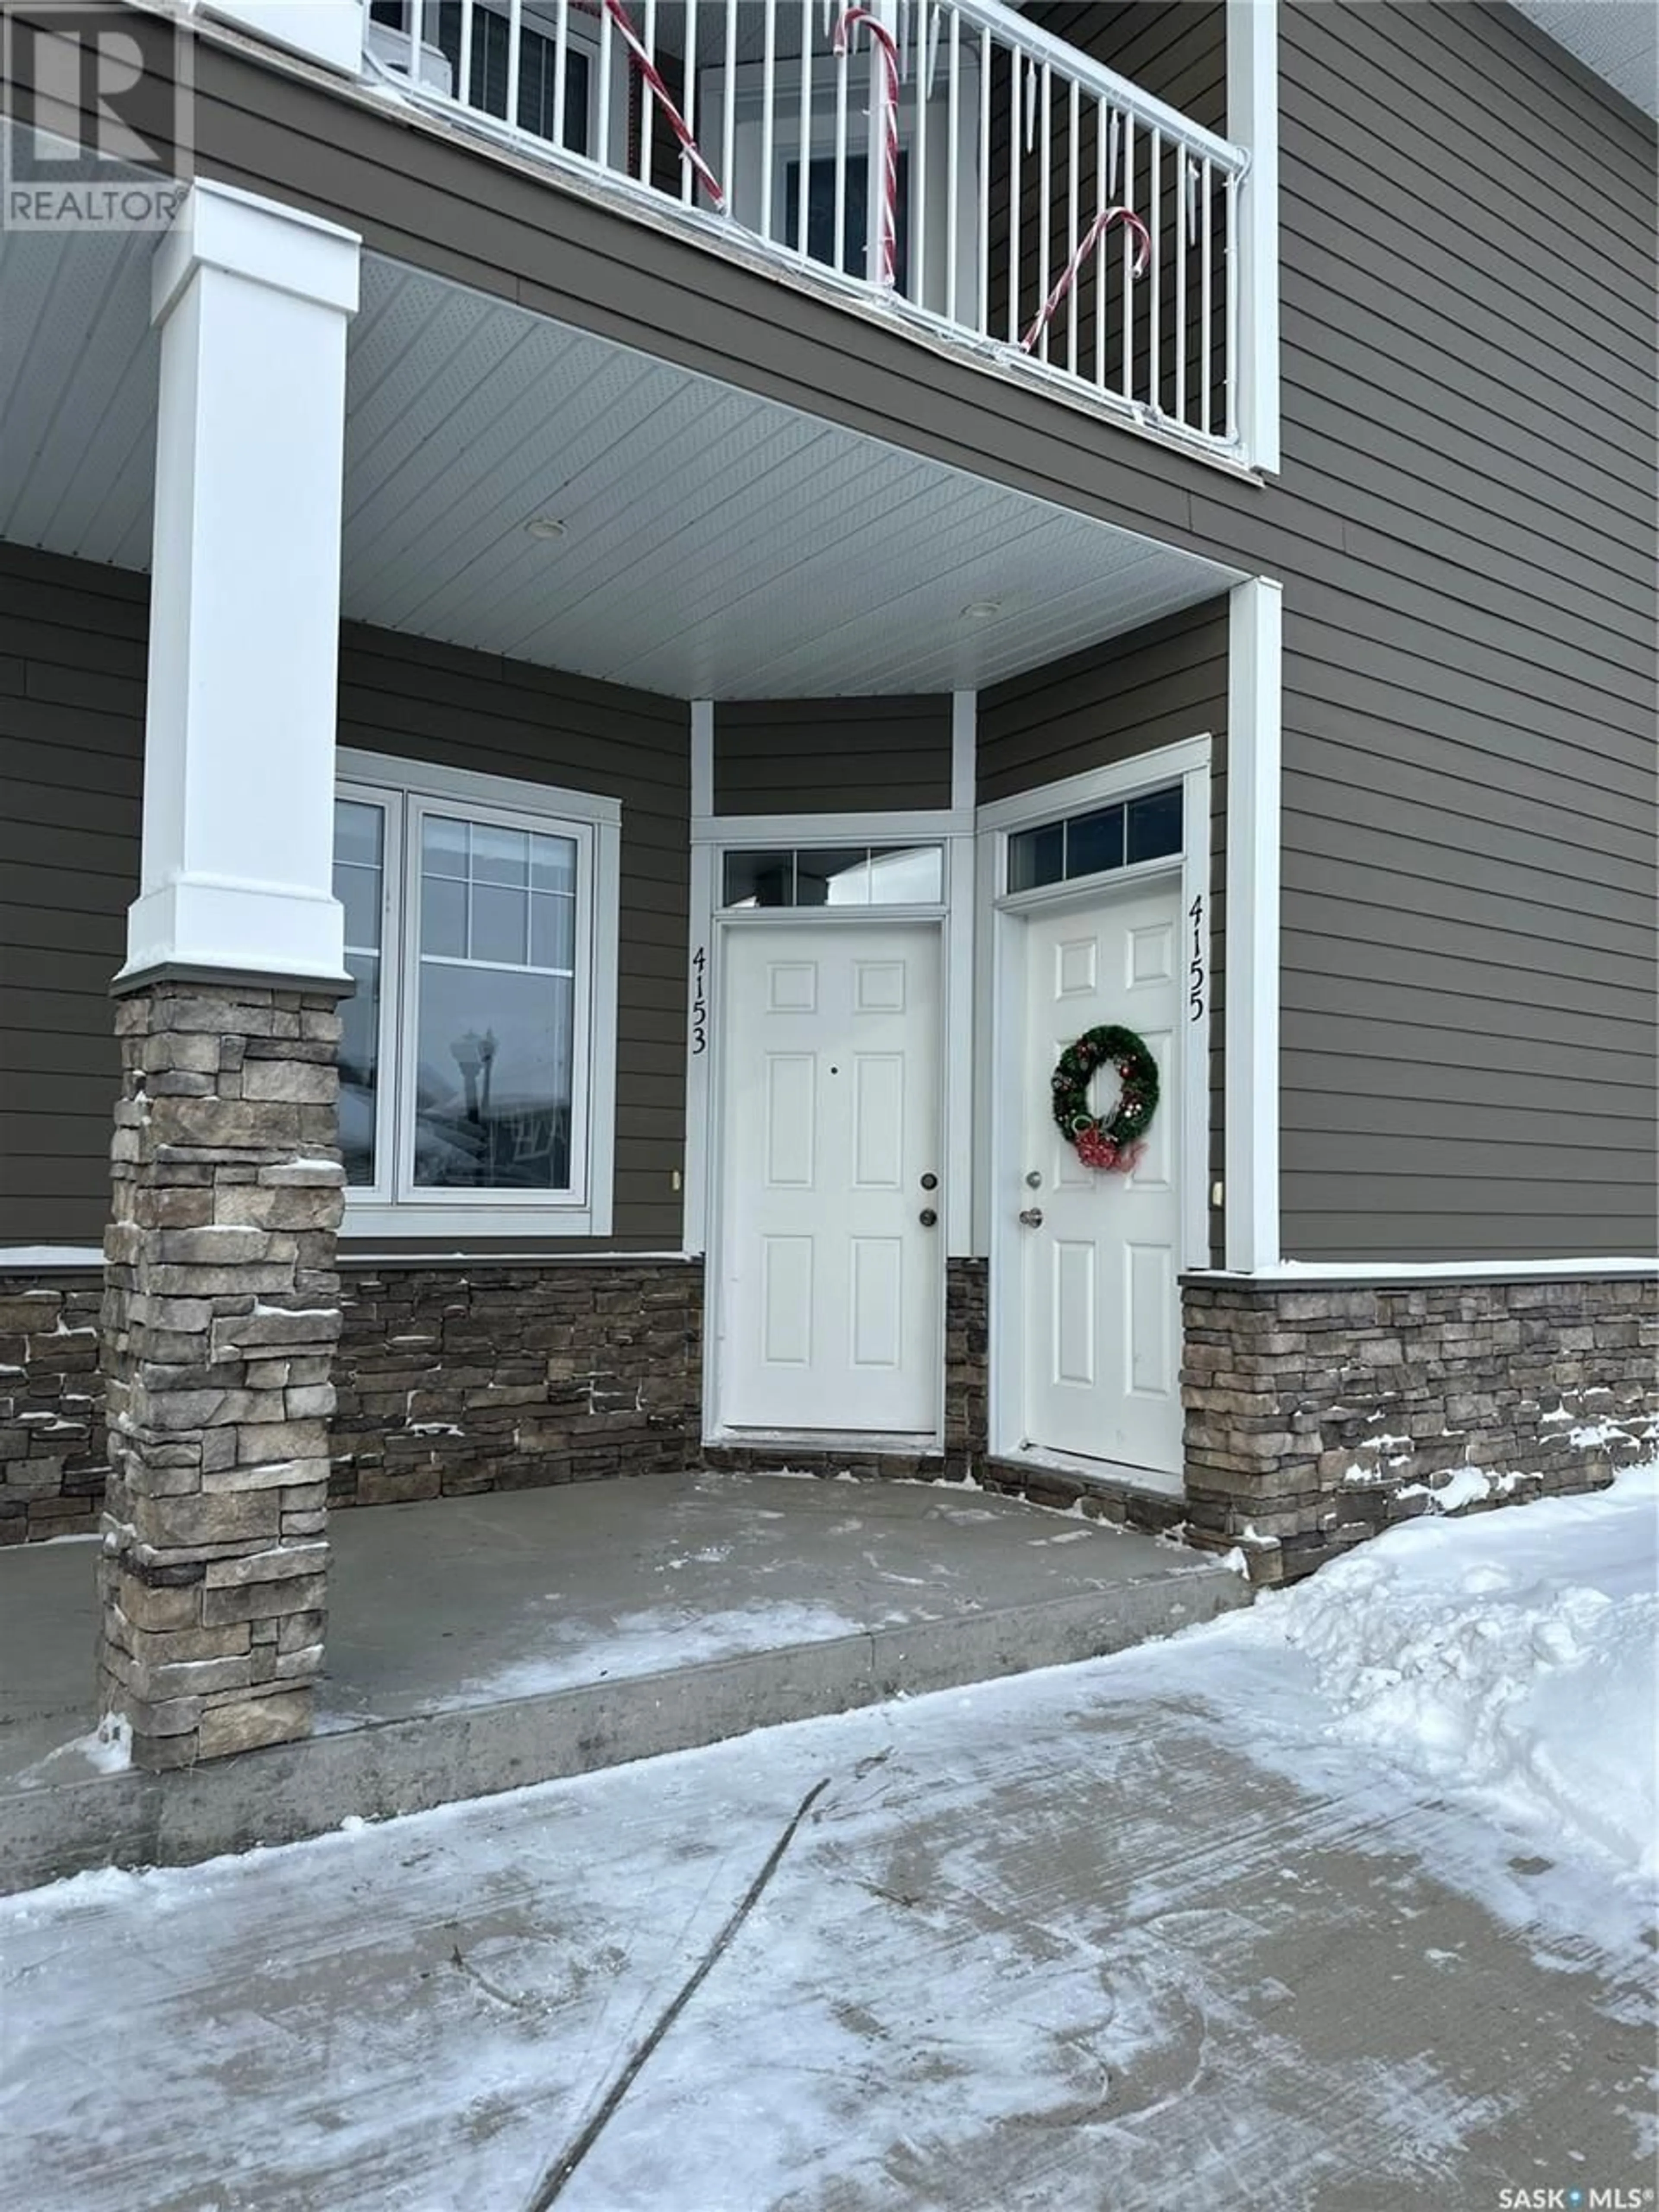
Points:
(715, 544)
(1618, 40)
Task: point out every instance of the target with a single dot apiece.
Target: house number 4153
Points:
(699, 1002)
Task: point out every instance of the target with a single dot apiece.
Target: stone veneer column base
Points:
(220, 1317)
(1317, 1415)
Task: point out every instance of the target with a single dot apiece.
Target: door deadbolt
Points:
(927, 1217)
(930, 1182)
(1034, 1180)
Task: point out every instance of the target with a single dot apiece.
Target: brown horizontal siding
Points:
(466, 710)
(1463, 525)
(1149, 689)
(71, 753)
(70, 776)
(825, 755)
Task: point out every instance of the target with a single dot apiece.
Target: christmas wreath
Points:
(1112, 1141)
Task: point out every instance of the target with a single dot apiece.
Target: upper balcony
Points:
(949, 164)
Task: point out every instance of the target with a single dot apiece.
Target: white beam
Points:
(1253, 122)
(253, 301)
(1255, 682)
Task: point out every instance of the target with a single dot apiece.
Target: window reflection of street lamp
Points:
(475, 1055)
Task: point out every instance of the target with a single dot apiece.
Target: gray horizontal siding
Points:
(1124, 700)
(72, 650)
(1463, 526)
(823, 756)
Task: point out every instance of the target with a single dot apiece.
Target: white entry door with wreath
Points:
(1102, 1249)
(1101, 959)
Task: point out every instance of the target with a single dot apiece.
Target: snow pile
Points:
(1512, 1653)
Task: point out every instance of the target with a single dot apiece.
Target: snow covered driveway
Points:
(1340, 1904)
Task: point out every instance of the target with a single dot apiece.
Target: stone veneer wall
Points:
(1316, 1416)
(449, 1380)
(967, 1349)
(454, 1380)
(54, 1460)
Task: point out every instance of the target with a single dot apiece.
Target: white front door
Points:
(1097, 1271)
(830, 1280)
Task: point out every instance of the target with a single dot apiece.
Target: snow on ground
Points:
(1510, 1654)
(1332, 1905)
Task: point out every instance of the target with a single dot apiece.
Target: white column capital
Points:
(218, 226)
(252, 300)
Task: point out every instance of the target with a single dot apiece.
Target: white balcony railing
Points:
(980, 176)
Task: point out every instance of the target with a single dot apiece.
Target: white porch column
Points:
(253, 301)
(1255, 684)
(220, 1307)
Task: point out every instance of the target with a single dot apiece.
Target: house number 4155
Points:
(1195, 964)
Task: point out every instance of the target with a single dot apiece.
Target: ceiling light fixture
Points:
(982, 610)
(543, 527)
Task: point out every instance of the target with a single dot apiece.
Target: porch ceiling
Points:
(715, 545)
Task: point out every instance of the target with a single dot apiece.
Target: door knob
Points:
(927, 1217)
(1031, 1217)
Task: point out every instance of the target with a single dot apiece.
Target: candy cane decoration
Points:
(1092, 238)
(883, 118)
(665, 100)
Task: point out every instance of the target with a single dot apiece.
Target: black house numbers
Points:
(1195, 964)
(699, 1002)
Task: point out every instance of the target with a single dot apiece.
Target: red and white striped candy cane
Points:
(1092, 238)
(665, 100)
(884, 121)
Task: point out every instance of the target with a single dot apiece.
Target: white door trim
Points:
(1000, 1075)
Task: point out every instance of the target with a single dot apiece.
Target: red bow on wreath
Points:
(1097, 1150)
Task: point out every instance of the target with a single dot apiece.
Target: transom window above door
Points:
(835, 876)
(1144, 828)
(481, 937)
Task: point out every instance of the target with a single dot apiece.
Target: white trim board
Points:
(703, 759)
(1255, 691)
(1252, 36)
(1312, 1274)
(924, 826)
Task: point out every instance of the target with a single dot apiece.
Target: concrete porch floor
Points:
(476, 1644)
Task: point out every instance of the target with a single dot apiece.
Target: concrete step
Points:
(478, 1645)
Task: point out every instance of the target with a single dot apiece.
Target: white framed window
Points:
(477, 1057)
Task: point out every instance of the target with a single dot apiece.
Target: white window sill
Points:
(464, 1221)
